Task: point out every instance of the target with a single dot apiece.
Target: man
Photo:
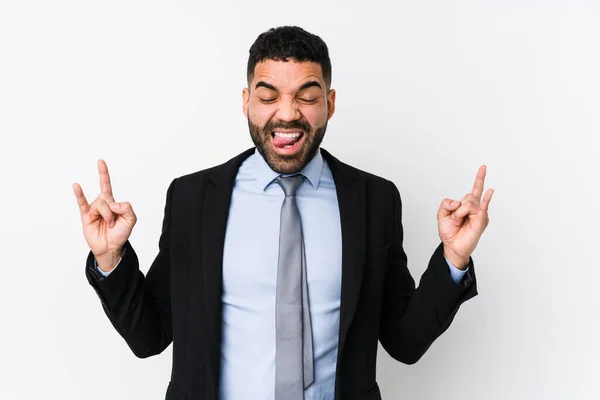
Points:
(280, 270)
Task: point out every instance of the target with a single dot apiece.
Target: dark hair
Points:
(285, 42)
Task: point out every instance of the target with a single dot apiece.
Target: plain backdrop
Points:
(427, 92)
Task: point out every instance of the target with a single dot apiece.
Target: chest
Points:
(251, 248)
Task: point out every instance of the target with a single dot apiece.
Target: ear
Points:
(245, 100)
(330, 103)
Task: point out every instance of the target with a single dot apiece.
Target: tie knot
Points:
(289, 184)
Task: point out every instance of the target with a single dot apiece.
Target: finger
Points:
(106, 197)
(485, 203)
(479, 182)
(103, 209)
(125, 210)
(447, 207)
(84, 206)
(468, 208)
(105, 185)
(469, 198)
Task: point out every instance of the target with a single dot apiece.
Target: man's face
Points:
(288, 105)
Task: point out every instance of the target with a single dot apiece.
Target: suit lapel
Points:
(217, 197)
(209, 275)
(214, 224)
(351, 193)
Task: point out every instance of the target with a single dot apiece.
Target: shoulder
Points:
(222, 174)
(373, 183)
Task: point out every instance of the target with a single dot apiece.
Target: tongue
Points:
(281, 142)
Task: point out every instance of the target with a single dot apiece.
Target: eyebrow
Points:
(271, 87)
(310, 84)
(265, 85)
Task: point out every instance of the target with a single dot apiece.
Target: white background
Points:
(427, 92)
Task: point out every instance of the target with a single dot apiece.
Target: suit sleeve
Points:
(138, 306)
(412, 318)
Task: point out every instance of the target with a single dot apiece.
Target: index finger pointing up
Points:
(105, 186)
(479, 181)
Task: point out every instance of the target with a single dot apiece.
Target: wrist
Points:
(456, 260)
(107, 261)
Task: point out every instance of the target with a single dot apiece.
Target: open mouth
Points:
(287, 142)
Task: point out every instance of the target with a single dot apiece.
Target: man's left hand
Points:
(461, 223)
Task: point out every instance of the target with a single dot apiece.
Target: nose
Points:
(288, 110)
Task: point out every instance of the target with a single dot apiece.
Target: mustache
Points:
(301, 125)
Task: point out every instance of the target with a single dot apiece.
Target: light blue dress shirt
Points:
(250, 261)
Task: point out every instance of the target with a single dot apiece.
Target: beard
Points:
(287, 164)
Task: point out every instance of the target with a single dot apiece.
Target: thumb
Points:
(123, 209)
(447, 207)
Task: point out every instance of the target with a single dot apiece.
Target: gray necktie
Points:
(294, 352)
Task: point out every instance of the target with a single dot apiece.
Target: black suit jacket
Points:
(179, 300)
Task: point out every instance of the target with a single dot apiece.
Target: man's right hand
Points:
(107, 224)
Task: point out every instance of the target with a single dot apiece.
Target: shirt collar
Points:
(264, 175)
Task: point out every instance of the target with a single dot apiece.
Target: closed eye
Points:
(308, 100)
(267, 100)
